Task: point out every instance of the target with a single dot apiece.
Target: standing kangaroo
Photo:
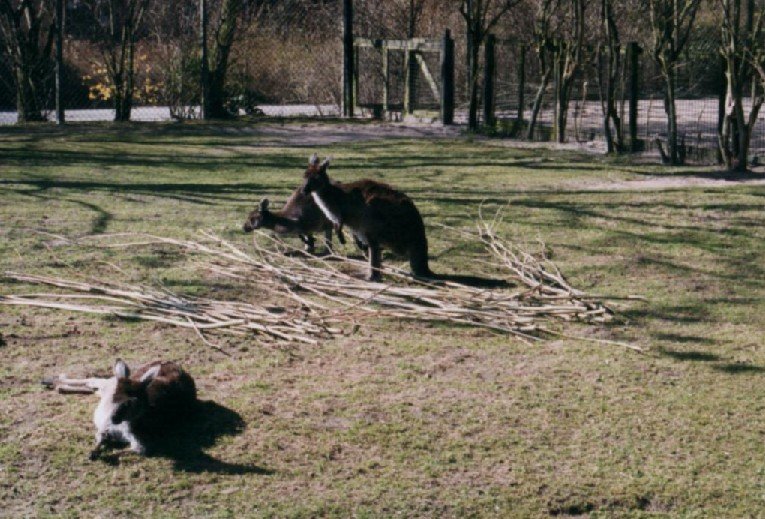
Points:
(377, 214)
(135, 405)
(300, 215)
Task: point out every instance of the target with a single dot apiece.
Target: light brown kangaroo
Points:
(378, 215)
(300, 215)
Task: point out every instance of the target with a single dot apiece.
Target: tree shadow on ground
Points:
(732, 176)
(718, 363)
(693, 355)
(185, 445)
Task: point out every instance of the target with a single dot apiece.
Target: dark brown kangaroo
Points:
(378, 215)
(300, 215)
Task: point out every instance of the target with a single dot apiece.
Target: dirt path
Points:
(668, 182)
(318, 134)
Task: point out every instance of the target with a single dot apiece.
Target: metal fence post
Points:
(204, 104)
(488, 80)
(386, 78)
(447, 79)
(722, 94)
(410, 81)
(348, 61)
(556, 88)
(521, 81)
(633, 53)
(60, 117)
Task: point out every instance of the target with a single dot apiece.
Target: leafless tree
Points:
(545, 49)
(671, 24)
(118, 23)
(26, 33)
(609, 69)
(744, 61)
(570, 57)
(480, 18)
(223, 40)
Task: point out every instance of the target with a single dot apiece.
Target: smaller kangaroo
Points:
(377, 214)
(300, 216)
(135, 405)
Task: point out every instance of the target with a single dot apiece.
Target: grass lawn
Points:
(399, 420)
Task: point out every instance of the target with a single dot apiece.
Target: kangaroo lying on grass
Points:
(377, 214)
(133, 406)
(300, 215)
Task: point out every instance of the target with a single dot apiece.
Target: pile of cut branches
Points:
(321, 297)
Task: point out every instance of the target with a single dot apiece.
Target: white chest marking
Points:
(332, 217)
(102, 416)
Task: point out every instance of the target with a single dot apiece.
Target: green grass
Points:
(401, 419)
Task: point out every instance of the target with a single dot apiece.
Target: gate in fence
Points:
(404, 76)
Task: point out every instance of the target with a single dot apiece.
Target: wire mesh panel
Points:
(287, 60)
(387, 71)
(370, 76)
(427, 81)
(283, 62)
(699, 83)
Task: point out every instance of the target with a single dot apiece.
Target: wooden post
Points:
(521, 82)
(386, 79)
(60, 117)
(410, 82)
(204, 105)
(556, 87)
(447, 79)
(355, 90)
(633, 53)
(488, 79)
(722, 94)
(348, 61)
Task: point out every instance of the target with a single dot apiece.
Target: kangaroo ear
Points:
(264, 204)
(121, 370)
(325, 164)
(313, 160)
(151, 374)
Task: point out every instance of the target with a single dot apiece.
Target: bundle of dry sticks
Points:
(312, 298)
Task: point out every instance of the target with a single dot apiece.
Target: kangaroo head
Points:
(258, 218)
(315, 176)
(130, 398)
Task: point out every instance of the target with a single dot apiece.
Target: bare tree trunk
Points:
(743, 55)
(27, 106)
(671, 110)
(479, 22)
(570, 56)
(473, 83)
(224, 39)
(28, 43)
(671, 24)
(608, 79)
(537, 105)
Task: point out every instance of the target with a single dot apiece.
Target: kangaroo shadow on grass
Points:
(185, 444)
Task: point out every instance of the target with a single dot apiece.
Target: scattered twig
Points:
(319, 296)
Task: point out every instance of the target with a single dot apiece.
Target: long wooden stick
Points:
(318, 296)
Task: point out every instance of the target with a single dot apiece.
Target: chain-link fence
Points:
(284, 61)
(700, 83)
(287, 60)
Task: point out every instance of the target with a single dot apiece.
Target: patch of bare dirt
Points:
(317, 134)
(662, 182)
